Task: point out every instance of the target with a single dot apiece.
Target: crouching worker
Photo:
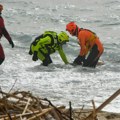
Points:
(91, 47)
(47, 43)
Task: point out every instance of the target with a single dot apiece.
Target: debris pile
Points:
(21, 105)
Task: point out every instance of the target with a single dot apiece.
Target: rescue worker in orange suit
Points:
(91, 46)
(4, 32)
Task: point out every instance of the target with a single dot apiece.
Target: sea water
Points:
(61, 83)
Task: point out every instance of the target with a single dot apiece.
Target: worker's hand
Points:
(11, 43)
(78, 60)
(35, 58)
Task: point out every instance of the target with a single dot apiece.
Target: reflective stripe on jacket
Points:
(48, 44)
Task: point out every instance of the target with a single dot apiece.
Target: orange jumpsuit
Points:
(89, 42)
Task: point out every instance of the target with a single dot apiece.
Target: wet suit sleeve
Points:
(5, 32)
(62, 55)
(82, 39)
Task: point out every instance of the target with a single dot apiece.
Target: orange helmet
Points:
(1, 7)
(71, 27)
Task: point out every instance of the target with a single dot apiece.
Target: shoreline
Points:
(102, 115)
(21, 103)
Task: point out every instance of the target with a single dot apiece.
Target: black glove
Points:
(12, 44)
(35, 58)
(79, 60)
(30, 51)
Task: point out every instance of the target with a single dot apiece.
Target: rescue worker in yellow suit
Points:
(46, 44)
(91, 47)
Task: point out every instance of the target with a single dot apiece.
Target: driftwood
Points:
(92, 116)
(21, 105)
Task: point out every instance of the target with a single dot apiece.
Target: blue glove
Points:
(11, 43)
